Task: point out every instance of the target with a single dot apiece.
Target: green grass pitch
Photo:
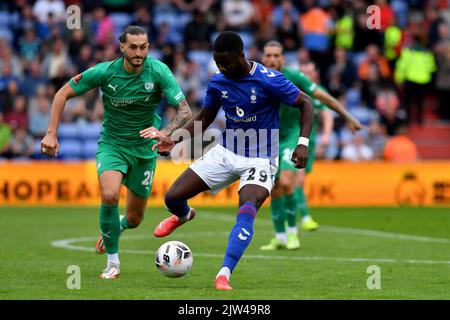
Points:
(411, 246)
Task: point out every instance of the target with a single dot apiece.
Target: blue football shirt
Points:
(251, 104)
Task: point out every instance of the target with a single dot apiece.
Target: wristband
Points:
(304, 141)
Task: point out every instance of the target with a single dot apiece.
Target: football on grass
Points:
(174, 259)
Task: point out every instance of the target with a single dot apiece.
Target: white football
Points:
(174, 259)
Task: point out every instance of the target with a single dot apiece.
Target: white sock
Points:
(113, 258)
(225, 271)
(292, 230)
(281, 236)
(306, 218)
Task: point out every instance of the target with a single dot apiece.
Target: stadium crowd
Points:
(382, 75)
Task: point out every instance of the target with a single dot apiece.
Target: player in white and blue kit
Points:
(250, 94)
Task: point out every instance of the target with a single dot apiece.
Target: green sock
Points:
(290, 203)
(278, 214)
(110, 227)
(301, 198)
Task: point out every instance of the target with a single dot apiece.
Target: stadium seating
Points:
(89, 131)
(68, 131)
(89, 149)
(71, 149)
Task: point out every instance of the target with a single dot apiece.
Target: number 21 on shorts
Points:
(148, 180)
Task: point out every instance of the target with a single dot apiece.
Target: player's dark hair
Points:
(133, 30)
(228, 41)
(273, 43)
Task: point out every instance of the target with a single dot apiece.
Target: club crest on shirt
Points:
(253, 96)
(149, 86)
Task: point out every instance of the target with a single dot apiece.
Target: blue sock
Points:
(179, 208)
(240, 235)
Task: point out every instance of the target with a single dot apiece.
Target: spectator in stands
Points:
(371, 85)
(387, 100)
(77, 39)
(8, 96)
(7, 57)
(442, 54)
(344, 29)
(26, 21)
(22, 144)
(187, 75)
(201, 6)
(391, 116)
(5, 136)
(386, 14)
(29, 45)
(18, 116)
(344, 68)
(57, 59)
(401, 148)
(414, 70)
(374, 58)
(6, 77)
(197, 34)
(316, 27)
(263, 10)
(357, 150)
(166, 36)
(285, 7)
(103, 26)
(39, 117)
(287, 33)
(33, 79)
(42, 9)
(393, 41)
(143, 18)
(376, 139)
(118, 5)
(238, 14)
(84, 59)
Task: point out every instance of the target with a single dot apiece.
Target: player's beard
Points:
(136, 65)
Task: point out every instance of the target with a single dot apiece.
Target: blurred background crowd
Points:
(395, 79)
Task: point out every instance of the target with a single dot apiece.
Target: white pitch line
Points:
(69, 244)
(334, 229)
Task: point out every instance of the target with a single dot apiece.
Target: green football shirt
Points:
(289, 116)
(130, 99)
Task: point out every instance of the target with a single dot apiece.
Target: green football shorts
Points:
(138, 172)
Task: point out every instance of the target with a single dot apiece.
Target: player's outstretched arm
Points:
(49, 144)
(184, 114)
(334, 104)
(300, 154)
(165, 143)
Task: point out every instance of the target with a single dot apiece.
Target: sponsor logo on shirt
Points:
(125, 102)
(248, 119)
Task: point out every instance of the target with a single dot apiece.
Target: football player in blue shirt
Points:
(250, 94)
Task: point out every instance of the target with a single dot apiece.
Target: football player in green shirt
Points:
(285, 198)
(132, 87)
